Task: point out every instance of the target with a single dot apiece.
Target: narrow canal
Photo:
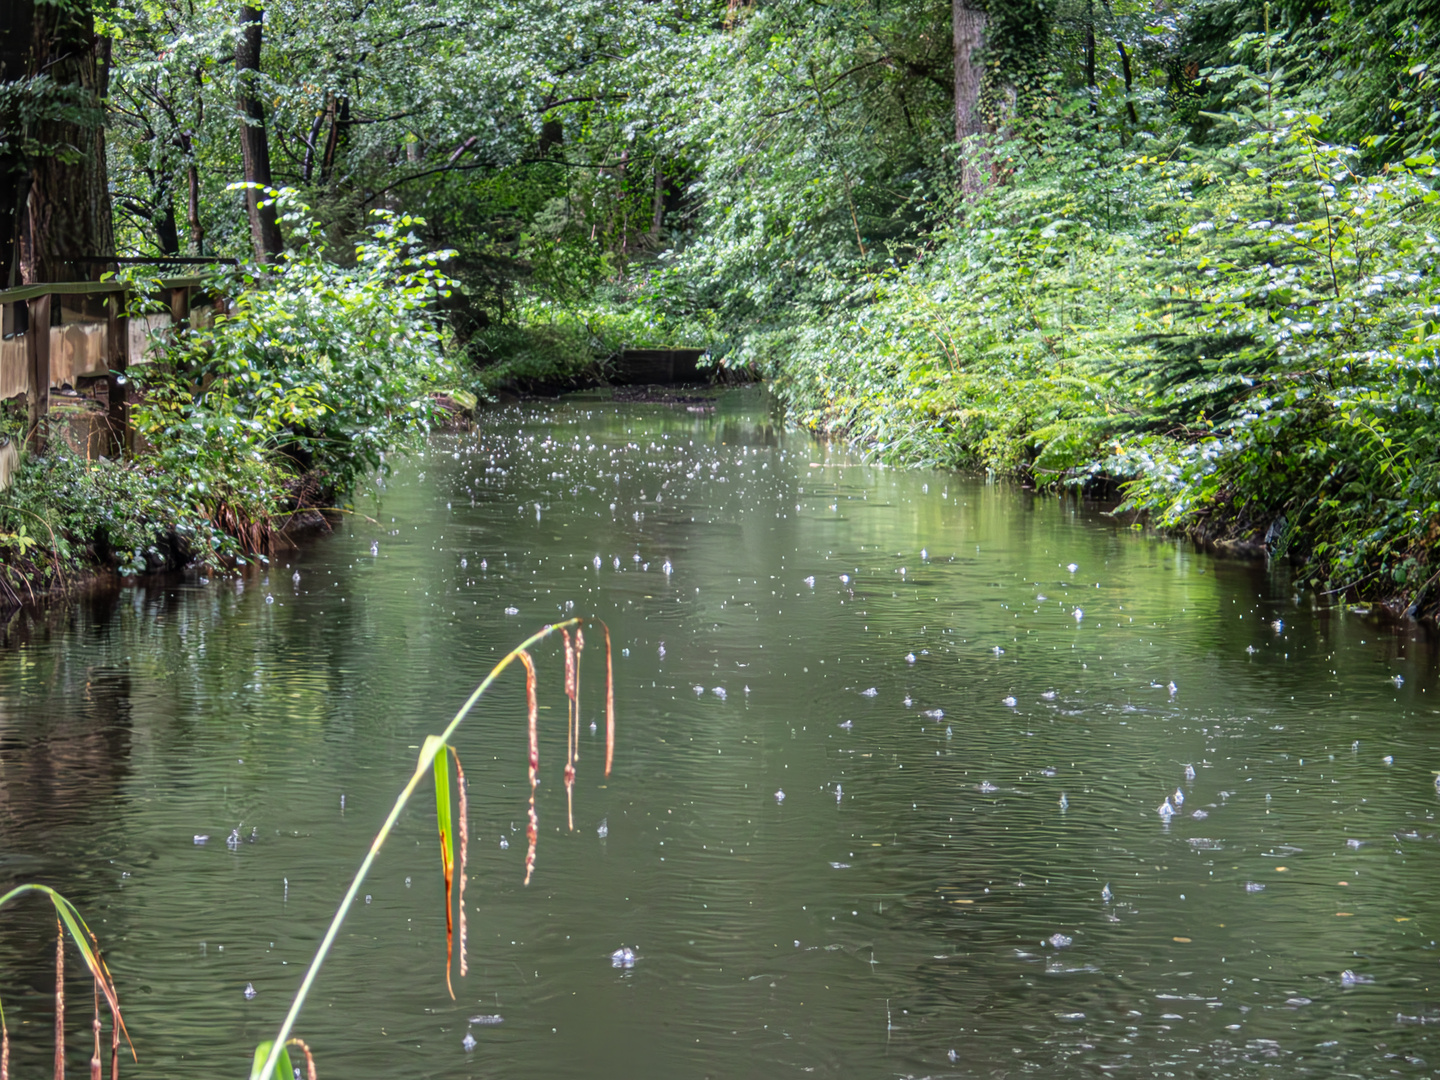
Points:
(886, 802)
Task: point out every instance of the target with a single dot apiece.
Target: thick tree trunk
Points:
(67, 216)
(969, 30)
(14, 46)
(167, 232)
(254, 142)
(192, 209)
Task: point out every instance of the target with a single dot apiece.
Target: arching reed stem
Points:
(272, 1052)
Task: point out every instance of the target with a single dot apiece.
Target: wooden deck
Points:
(78, 333)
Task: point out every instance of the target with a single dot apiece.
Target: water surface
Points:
(973, 699)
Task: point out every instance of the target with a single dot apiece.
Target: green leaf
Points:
(283, 1069)
(434, 744)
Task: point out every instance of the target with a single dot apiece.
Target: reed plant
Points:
(272, 1058)
(68, 920)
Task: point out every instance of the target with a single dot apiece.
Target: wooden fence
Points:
(78, 335)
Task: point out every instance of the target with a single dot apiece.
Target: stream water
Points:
(892, 748)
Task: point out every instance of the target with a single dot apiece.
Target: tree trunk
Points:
(254, 142)
(67, 216)
(1129, 81)
(14, 45)
(167, 232)
(969, 29)
(192, 207)
(1090, 56)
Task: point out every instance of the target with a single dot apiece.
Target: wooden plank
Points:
(37, 346)
(14, 357)
(82, 288)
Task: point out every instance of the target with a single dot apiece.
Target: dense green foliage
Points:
(1200, 270)
(314, 372)
(315, 368)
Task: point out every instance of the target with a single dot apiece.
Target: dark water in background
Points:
(891, 917)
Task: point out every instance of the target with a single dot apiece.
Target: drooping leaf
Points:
(446, 827)
(69, 919)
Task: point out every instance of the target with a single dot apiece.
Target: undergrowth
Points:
(311, 376)
(1240, 336)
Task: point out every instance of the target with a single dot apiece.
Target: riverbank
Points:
(246, 423)
(66, 523)
(1240, 339)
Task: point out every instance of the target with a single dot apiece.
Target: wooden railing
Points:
(77, 334)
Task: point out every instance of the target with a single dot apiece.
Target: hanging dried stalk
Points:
(309, 1058)
(95, 1057)
(579, 648)
(59, 1000)
(463, 831)
(570, 729)
(609, 704)
(532, 831)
